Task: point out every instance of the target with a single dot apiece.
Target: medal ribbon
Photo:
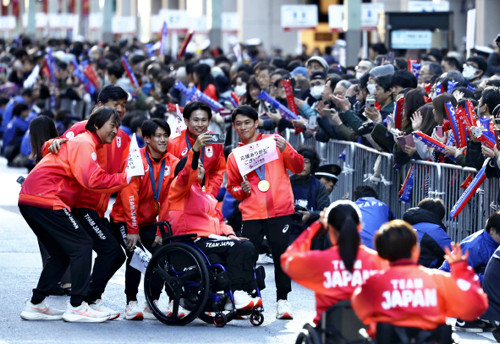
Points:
(156, 190)
(261, 172)
(189, 147)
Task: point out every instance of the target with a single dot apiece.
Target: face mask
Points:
(359, 75)
(240, 90)
(371, 88)
(317, 90)
(469, 72)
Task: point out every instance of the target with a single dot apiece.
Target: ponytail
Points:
(345, 216)
(348, 242)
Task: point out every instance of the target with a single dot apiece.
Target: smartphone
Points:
(217, 139)
(409, 141)
(402, 142)
(370, 101)
(313, 123)
(439, 131)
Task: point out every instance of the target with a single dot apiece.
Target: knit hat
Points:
(387, 69)
(320, 60)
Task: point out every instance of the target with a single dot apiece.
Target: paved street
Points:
(20, 265)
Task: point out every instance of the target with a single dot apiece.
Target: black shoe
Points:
(476, 326)
(67, 291)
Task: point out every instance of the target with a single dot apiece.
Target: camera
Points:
(217, 139)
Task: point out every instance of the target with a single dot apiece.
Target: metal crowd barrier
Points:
(363, 165)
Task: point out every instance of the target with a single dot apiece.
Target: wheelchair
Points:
(189, 279)
(338, 325)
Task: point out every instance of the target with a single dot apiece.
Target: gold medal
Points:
(157, 207)
(263, 185)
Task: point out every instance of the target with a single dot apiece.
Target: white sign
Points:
(253, 155)
(177, 20)
(369, 16)
(471, 31)
(411, 39)
(297, 17)
(126, 24)
(61, 21)
(140, 259)
(198, 24)
(135, 166)
(8, 23)
(428, 6)
(336, 18)
(41, 20)
(95, 21)
(229, 22)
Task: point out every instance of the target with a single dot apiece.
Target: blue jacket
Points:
(431, 236)
(14, 131)
(7, 113)
(481, 247)
(311, 194)
(374, 213)
(491, 281)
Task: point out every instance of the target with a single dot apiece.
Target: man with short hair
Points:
(474, 68)
(266, 198)
(139, 205)
(429, 72)
(197, 116)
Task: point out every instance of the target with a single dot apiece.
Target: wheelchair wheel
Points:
(308, 335)
(182, 271)
(257, 319)
(220, 320)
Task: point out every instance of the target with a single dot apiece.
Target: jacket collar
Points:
(146, 151)
(96, 139)
(404, 261)
(259, 137)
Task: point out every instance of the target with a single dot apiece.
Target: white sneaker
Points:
(147, 313)
(242, 300)
(283, 310)
(264, 259)
(99, 306)
(170, 310)
(40, 311)
(133, 311)
(83, 313)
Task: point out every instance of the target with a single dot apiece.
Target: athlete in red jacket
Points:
(47, 196)
(334, 273)
(137, 207)
(266, 198)
(90, 207)
(197, 116)
(191, 210)
(410, 295)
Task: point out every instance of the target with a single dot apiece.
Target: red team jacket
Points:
(112, 159)
(324, 271)
(214, 161)
(191, 210)
(135, 204)
(278, 200)
(414, 296)
(59, 180)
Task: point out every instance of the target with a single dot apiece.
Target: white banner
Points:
(135, 166)
(140, 259)
(253, 155)
(297, 17)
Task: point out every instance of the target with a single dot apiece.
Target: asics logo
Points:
(285, 229)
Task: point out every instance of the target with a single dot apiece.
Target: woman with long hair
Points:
(204, 81)
(334, 273)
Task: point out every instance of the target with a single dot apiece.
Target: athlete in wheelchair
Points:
(205, 269)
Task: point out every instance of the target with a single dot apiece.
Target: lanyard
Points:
(156, 190)
(189, 147)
